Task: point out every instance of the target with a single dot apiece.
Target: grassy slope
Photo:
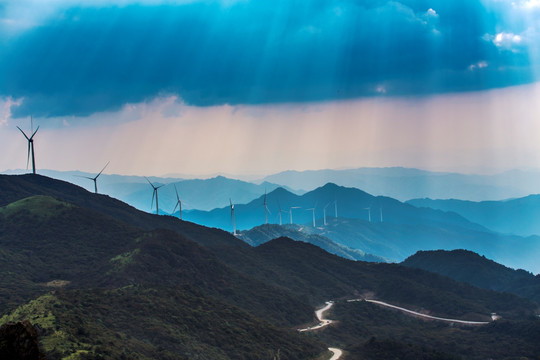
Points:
(45, 240)
(139, 322)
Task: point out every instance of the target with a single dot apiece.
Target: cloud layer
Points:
(63, 60)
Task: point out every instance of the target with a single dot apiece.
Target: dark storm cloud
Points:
(85, 60)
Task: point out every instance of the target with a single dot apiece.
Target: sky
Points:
(257, 87)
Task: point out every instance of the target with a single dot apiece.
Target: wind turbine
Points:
(380, 210)
(233, 217)
(290, 211)
(154, 194)
(324, 213)
(266, 209)
(178, 203)
(94, 179)
(335, 207)
(30, 145)
(313, 210)
(280, 211)
(369, 213)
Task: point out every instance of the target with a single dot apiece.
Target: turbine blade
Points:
(153, 195)
(101, 169)
(28, 157)
(175, 189)
(149, 181)
(34, 133)
(85, 177)
(27, 138)
(175, 208)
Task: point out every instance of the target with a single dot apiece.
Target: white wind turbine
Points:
(178, 203)
(324, 213)
(280, 211)
(335, 207)
(290, 211)
(313, 211)
(233, 217)
(266, 209)
(369, 213)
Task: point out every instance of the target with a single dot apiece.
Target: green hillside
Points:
(60, 262)
(139, 322)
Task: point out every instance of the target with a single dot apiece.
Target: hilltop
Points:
(469, 267)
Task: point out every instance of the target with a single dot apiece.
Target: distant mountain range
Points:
(396, 182)
(514, 216)
(399, 241)
(404, 228)
(102, 279)
(350, 203)
(406, 183)
(202, 194)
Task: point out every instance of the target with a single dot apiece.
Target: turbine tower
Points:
(30, 145)
(313, 211)
(335, 207)
(94, 179)
(154, 195)
(369, 213)
(380, 210)
(290, 211)
(280, 211)
(178, 203)
(324, 213)
(233, 217)
(266, 209)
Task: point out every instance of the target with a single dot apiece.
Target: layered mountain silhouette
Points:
(380, 226)
(514, 216)
(351, 203)
(101, 279)
(409, 183)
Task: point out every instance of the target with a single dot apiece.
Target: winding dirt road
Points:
(465, 322)
(322, 322)
(337, 353)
